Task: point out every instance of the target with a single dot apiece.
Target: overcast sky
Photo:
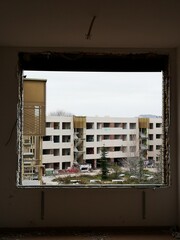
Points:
(102, 94)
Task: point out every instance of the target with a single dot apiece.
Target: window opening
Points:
(108, 139)
(66, 138)
(56, 139)
(132, 125)
(158, 136)
(66, 125)
(56, 125)
(47, 138)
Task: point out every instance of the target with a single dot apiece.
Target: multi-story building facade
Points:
(74, 139)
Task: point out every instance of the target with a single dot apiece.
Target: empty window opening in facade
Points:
(106, 137)
(89, 138)
(56, 139)
(56, 125)
(66, 138)
(132, 137)
(158, 147)
(151, 147)
(124, 125)
(99, 125)
(117, 149)
(89, 125)
(132, 125)
(47, 138)
(99, 138)
(158, 136)
(66, 165)
(124, 137)
(150, 136)
(47, 151)
(106, 125)
(120, 120)
(48, 124)
(66, 151)
(117, 125)
(90, 150)
(117, 136)
(158, 125)
(66, 125)
(56, 152)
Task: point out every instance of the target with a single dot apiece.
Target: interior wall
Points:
(178, 134)
(74, 207)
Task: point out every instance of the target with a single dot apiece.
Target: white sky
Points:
(102, 94)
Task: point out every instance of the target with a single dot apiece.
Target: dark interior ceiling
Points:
(65, 23)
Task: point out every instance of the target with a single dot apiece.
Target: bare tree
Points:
(134, 162)
(61, 113)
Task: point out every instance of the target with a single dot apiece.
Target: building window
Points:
(48, 124)
(90, 150)
(151, 148)
(99, 125)
(66, 151)
(124, 125)
(158, 136)
(117, 149)
(151, 125)
(66, 165)
(158, 125)
(56, 152)
(124, 137)
(158, 147)
(117, 125)
(66, 125)
(90, 138)
(98, 150)
(99, 138)
(47, 138)
(47, 151)
(106, 137)
(89, 125)
(66, 138)
(124, 149)
(56, 125)
(117, 137)
(132, 125)
(150, 136)
(56, 139)
(132, 137)
(106, 125)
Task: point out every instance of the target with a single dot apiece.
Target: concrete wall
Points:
(77, 207)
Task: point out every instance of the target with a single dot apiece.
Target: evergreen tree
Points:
(104, 163)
